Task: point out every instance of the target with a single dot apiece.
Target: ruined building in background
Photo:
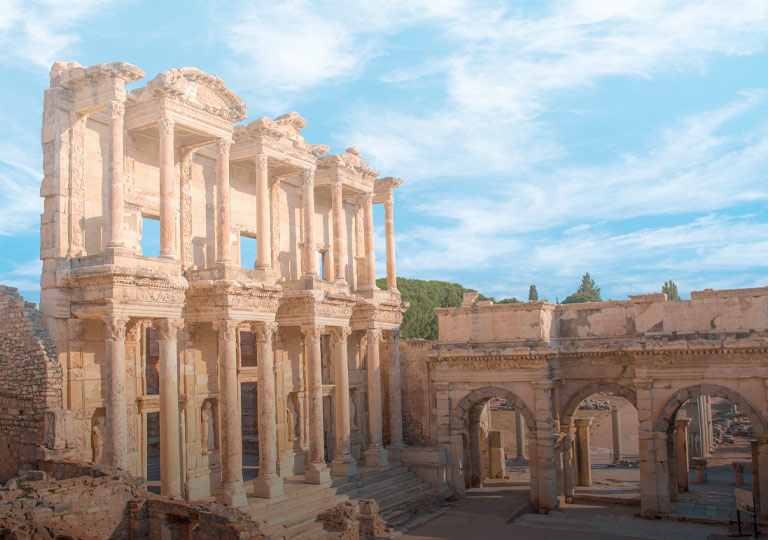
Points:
(178, 358)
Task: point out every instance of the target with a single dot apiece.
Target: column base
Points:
(268, 486)
(317, 474)
(376, 457)
(343, 468)
(393, 452)
(232, 494)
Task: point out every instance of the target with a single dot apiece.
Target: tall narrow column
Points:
(343, 463)
(264, 247)
(616, 431)
(339, 232)
(395, 391)
(389, 230)
(268, 483)
(231, 489)
(309, 222)
(170, 471)
(315, 470)
(375, 455)
(117, 416)
(116, 113)
(168, 199)
(568, 465)
(370, 255)
(520, 433)
(224, 213)
(681, 453)
(582, 451)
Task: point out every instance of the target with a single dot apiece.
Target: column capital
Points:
(116, 327)
(309, 176)
(223, 145)
(227, 328)
(367, 198)
(340, 333)
(115, 109)
(389, 205)
(373, 334)
(261, 161)
(312, 332)
(166, 126)
(167, 329)
(263, 331)
(133, 330)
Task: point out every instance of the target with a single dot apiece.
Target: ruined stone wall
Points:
(415, 391)
(30, 382)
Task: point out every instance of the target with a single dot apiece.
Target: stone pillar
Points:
(738, 473)
(224, 204)
(496, 460)
(168, 196)
(231, 489)
(671, 465)
(310, 248)
(568, 465)
(370, 254)
(343, 463)
(582, 451)
(389, 230)
(315, 469)
(375, 455)
(395, 391)
(762, 451)
(264, 246)
(755, 469)
(700, 474)
(116, 113)
(339, 232)
(519, 433)
(557, 442)
(268, 483)
(170, 473)
(616, 431)
(542, 464)
(117, 416)
(681, 453)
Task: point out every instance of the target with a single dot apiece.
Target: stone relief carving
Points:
(294, 423)
(208, 431)
(98, 436)
(76, 184)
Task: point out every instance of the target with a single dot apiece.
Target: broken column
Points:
(496, 454)
(738, 473)
(700, 467)
(582, 451)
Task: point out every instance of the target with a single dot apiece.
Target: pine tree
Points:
(588, 286)
(588, 292)
(670, 288)
(533, 294)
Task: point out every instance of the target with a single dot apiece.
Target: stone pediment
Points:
(284, 132)
(351, 161)
(72, 75)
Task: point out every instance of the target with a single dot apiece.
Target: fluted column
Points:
(231, 489)
(309, 222)
(315, 469)
(264, 247)
(170, 470)
(224, 213)
(375, 455)
(268, 483)
(370, 255)
(116, 113)
(389, 231)
(117, 416)
(395, 391)
(339, 232)
(168, 197)
(343, 463)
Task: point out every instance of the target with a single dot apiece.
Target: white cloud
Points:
(21, 205)
(24, 276)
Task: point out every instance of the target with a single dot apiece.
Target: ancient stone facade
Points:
(155, 351)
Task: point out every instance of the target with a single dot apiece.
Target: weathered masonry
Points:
(182, 356)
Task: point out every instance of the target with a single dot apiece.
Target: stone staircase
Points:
(294, 515)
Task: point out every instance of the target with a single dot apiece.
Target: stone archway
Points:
(481, 395)
(593, 388)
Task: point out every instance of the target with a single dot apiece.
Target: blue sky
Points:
(538, 140)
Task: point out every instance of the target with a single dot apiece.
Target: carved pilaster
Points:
(186, 208)
(274, 201)
(76, 184)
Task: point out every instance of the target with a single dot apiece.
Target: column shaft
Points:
(582, 451)
(316, 471)
(117, 416)
(375, 455)
(231, 489)
(339, 232)
(268, 483)
(310, 248)
(168, 196)
(264, 247)
(343, 464)
(116, 112)
(224, 213)
(170, 472)
(370, 254)
(389, 229)
(520, 433)
(395, 391)
(616, 432)
(681, 453)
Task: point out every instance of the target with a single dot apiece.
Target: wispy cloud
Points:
(25, 276)
(21, 205)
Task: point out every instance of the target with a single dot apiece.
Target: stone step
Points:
(399, 497)
(299, 512)
(301, 531)
(367, 489)
(421, 519)
(370, 477)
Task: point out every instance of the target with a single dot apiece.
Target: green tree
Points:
(533, 294)
(670, 288)
(588, 286)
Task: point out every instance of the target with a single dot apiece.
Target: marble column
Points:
(343, 463)
(389, 231)
(224, 203)
(616, 432)
(264, 245)
(308, 198)
(520, 433)
(168, 195)
(395, 391)
(116, 113)
(339, 232)
(681, 453)
(117, 416)
(582, 451)
(375, 455)
(170, 466)
(544, 460)
(268, 483)
(568, 465)
(370, 254)
(231, 489)
(315, 469)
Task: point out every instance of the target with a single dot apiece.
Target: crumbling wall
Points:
(415, 390)
(30, 382)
